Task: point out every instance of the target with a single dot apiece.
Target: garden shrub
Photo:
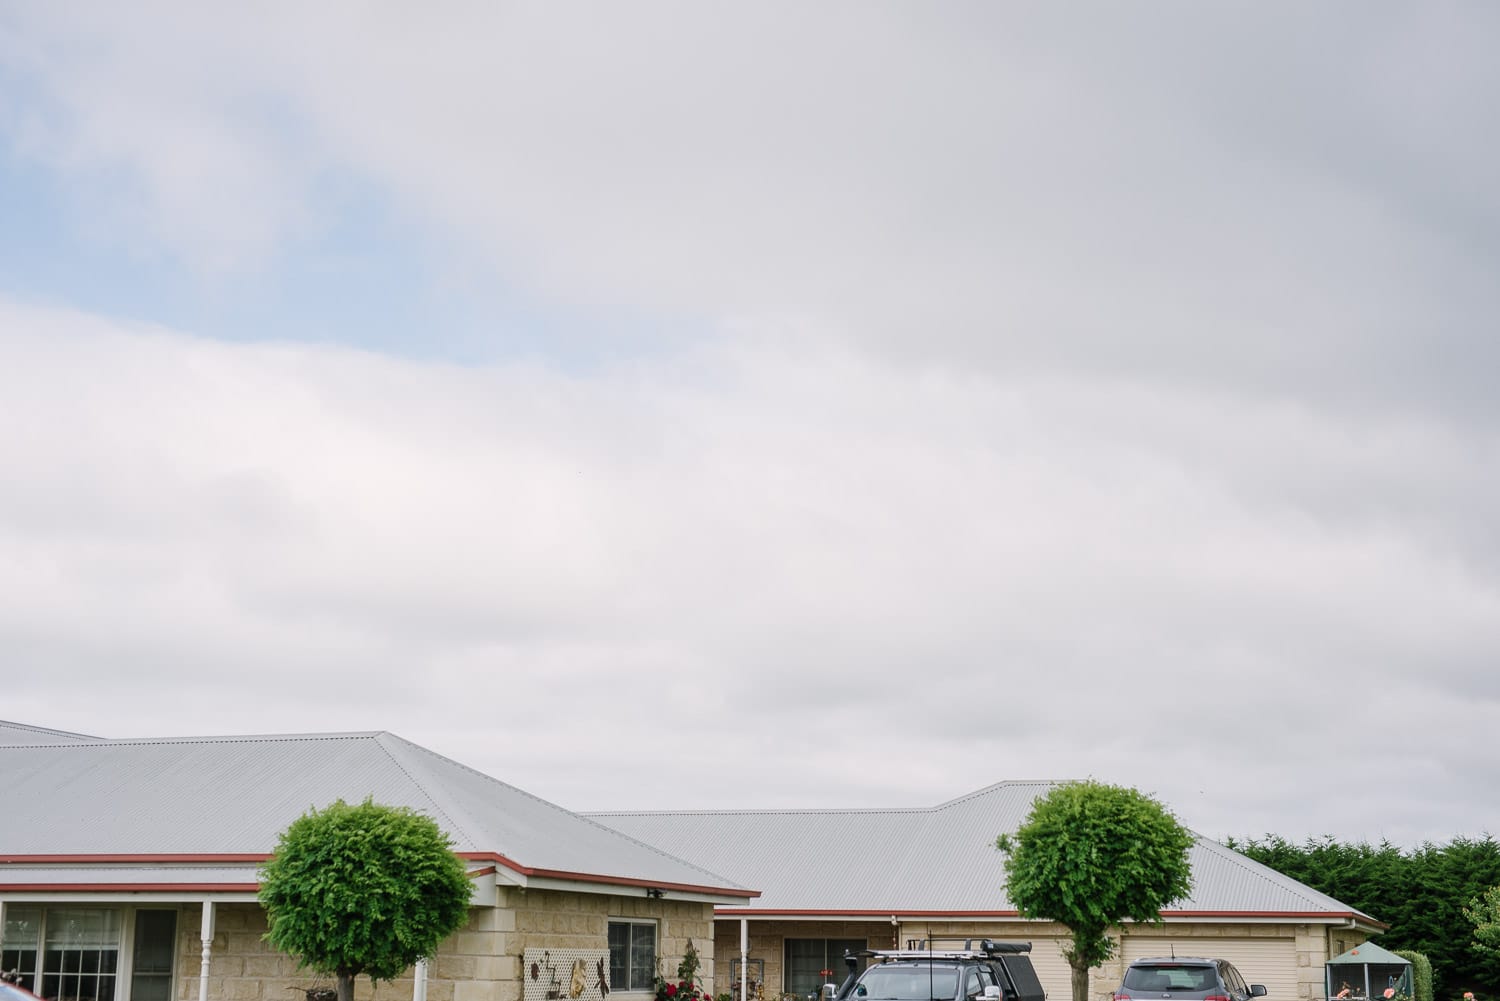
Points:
(1421, 973)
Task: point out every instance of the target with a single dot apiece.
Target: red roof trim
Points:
(206, 859)
(1260, 914)
(132, 859)
(732, 911)
(589, 877)
(129, 887)
(883, 913)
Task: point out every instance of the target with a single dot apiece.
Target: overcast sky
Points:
(770, 405)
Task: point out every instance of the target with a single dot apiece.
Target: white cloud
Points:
(1068, 395)
(847, 581)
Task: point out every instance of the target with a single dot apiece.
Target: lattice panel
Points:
(565, 974)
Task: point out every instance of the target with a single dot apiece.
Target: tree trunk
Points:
(345, 986)
(1080, 968)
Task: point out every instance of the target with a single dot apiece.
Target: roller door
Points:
(1269, 961)
(1053, 970)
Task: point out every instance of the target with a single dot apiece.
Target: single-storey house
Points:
(832, 880)
(128, 872)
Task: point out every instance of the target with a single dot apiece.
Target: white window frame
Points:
(655, 927)
(125, 963)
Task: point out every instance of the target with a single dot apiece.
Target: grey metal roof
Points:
(20, 733)
(939, 859)
(234, 795)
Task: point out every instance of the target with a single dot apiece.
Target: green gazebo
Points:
(1368, 971)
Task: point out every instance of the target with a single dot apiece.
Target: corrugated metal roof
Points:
(940, 859)
(20, 733)
(234, 795)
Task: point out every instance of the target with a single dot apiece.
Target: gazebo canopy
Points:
(1368, 954)
(1368, 972)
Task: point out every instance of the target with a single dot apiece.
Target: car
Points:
(14, 992)
(982, 971)
(1185, 979)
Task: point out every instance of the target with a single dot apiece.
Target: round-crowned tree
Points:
(1090, 856)
(365, 889)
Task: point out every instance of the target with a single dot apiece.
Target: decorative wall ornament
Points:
(565, 974)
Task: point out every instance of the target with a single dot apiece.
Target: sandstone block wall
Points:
(481, 962)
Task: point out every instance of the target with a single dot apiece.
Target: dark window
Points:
(81, 954)
(21, 936)
(151, 966)
(1170, 977)
(632, 955)
(910, 982)
(1023, 978)
(807, 958)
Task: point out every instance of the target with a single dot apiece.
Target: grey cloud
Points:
(1101, 364)
(1286, 204)
(854, 573)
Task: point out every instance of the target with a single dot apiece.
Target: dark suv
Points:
(1185, 980)
(980, 971)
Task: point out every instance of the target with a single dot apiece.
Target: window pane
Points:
(619, 955)
(155, 936)
(806, 958)
(642, 957)
(81, 954)
(632, 955)
(20, 942)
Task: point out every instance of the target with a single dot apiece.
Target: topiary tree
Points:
(366, 889)
(1091, 855)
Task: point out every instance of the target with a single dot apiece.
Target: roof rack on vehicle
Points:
(987, 946)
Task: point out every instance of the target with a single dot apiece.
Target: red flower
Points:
(671, 990)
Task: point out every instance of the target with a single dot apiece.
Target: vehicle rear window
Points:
(1170, 978)
(908, 983)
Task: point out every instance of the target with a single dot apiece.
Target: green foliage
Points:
(686, 986)
(688, 968)
(365, 889)
(1483, 913)
(1421, 973)
(1090, 856)
(1420, 893)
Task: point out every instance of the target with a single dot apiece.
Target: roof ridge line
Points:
(772, 812)
(830, 812)
(265, 738)
(50, 731)
(722, 879)
(448, 812)
(1004, 783)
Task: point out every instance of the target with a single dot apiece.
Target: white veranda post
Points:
(207, 937)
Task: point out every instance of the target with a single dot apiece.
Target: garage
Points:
(1053, 970)
(1269, 961)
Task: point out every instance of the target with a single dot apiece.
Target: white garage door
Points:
(1053, 970)
(1269, 961)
